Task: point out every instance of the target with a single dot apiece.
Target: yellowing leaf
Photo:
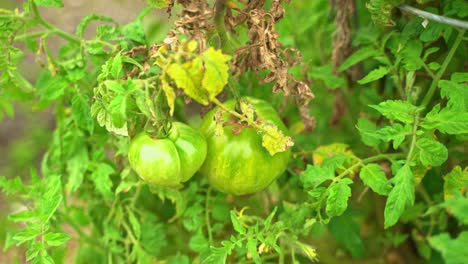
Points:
(188, 77)
(170, 95)
(274, 140)
(216, 71)
(455, 182)
(247, 109)
(324, 152)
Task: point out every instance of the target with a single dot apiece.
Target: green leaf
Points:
(51, 87)
(116, 66)
(27, 234)
(216, 71)
(23, 216)
(217, 255)
(76, 167)
(153, 235)
(134, 223)
(368, 132)
(102, 182)
(56, 239)
(456, 93)
(395, 132)
(12, 186)
(159, 4)
(374, 75)
(411, 55)
(459, 208)
(397, 110)
(252, 247)
(51, 199)
(453, 250)
(199, 243)
(400, 196)
(358, 56)
(315, 175)
(338, 195)
(347, 233)
(431, 152)
(373, 176)
(81, 111)
(455, 182)
(459, 77)
(446, 120)
(56, 3)
(325, 73)
(237, 224)
(33, 250)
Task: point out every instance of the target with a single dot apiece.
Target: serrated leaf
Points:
(455, 182)
(358, 56)
(252, 248)
(453, 250)
(374, 75)
(51, 199)
(397, 110)
(237, 224)
(373, 176)
(338, 195)
(51, 87)
(188, 76)
(446, 120)
(170, 96)
(315, 175)
(56, 239)
(33, 250)
(394, 132)
(274, 140)
(76, 167)
(116, 66)
(216, 71)
(56, 3)
(23, 216)
(401, 195)
(431, 152)
(81, 112)
(101, 179)
(217, 256)
(27, 234)
(458, 206)
(368, 132)
(134, 223)
(347, 233)
(198, 243)
(456, 93)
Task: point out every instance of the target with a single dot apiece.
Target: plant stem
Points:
(435, 81)
(433, 17)
(207, 215)
(52, 28)
(413, 138)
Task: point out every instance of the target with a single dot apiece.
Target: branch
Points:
(437, 18)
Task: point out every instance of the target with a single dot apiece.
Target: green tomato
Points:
(168, 161)
(237, 163)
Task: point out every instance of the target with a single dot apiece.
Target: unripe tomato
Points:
(236, 161)
(168, 161)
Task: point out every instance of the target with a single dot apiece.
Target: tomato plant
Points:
(354, 150)
(168, 161)
(237, 163)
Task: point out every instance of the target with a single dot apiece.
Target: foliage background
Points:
(337, 111)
